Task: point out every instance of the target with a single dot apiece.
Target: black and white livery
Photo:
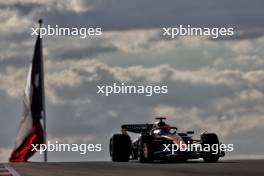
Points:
(157, 142)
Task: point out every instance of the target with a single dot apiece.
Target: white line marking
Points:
(11, 170)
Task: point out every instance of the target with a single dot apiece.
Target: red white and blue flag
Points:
(30, 129)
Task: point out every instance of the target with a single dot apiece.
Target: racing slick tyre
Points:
(208, 140)
(120, 147)
(145, 153)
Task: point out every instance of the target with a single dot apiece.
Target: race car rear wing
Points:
(137, 128)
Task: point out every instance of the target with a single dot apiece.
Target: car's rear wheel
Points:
(210, 141)
(120, 147)
(145, 149)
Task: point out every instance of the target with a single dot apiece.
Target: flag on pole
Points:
(30, 130)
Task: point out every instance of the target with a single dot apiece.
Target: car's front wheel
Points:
(210, 143)
(120, 147)
(145, 154)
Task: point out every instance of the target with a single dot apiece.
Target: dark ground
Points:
(192, 168)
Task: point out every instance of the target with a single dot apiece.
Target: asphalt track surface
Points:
(193, 168)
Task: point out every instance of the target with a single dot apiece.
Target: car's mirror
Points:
(190, 132)
(173, 130)
(156, 132)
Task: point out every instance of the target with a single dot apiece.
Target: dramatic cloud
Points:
(27, 6)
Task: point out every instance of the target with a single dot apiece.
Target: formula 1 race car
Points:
(160, 141)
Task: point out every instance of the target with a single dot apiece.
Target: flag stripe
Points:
(30, 129)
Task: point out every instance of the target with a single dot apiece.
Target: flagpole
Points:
(45, 157)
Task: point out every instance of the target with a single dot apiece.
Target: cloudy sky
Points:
(214, 85)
